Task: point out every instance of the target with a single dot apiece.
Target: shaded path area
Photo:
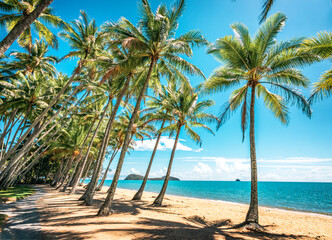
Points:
(24, 218)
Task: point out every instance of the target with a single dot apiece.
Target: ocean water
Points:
(310, 197)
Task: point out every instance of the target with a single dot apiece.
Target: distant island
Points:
(237, 180)
(140, 177)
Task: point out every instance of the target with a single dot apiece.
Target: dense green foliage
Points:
(132, 82)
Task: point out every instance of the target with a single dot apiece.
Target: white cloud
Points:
(288, 169)
(202, 168)
(134, 171)
(164, 144)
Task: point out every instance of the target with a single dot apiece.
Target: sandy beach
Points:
(180, 218)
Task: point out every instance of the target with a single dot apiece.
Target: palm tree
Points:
(321, 45)
(155, 42)
(157, 106)
(20, 17)
(36, 60)
(184, 110)
(85, 39)
(259, 63)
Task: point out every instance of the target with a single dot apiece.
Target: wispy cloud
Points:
(164, 144)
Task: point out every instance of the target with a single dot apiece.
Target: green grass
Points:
(16, 193)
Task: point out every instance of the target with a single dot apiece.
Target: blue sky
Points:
(301, 151)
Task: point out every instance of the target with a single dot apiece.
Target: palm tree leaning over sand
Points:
(84, 38)
(27, 13)
(156, 43)
(183, 110)
(259, 62)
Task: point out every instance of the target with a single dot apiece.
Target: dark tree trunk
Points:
(159, 200)
(23, 24)
(139, 193)
(105, 208)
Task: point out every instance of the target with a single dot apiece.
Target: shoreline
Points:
(243, 204)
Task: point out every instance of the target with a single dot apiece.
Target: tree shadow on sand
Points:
(202, 229)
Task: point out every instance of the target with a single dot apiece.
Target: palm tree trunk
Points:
(86, 171)
(57, 175)
(106, 171)
(23, 24)
(20, 125)
(87, 197)
(139, 193)
(74, 173)
(6, 130)
(72, 191)
(158, 201)
(66, 173)
(101, 155)
(252, 215)
(105, 208)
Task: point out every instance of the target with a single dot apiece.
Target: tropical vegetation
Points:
(132, 82)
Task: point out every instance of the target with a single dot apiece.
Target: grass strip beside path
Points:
(16, 193)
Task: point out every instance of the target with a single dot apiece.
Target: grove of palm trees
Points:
(135, 81)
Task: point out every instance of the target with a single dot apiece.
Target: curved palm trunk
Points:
(22, 25)
(38, 129)
(57, 175)
(139, 193)
(72, 191)
(66, 173)
(101, 155)
(105, 208)
(5, 132)
(74, 173)
(158, 201)
(106, 171)
(252, 215)
(86, 171)
(20, 125)
(37, 121)
(87, 197)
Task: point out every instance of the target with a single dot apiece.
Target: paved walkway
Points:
(23, 222)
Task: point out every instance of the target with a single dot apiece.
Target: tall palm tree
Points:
(155, 42)
(157, 106)
(261, 64)
(322, 46)
(27, 15)
(184, 109)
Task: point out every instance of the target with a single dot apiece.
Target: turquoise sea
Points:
(302, 196)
